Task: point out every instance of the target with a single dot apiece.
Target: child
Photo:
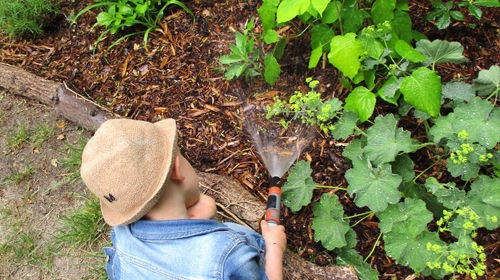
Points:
(162, 227)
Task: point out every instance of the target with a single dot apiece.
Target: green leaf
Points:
(408, 52)
(484, 199)
(352, 17)
(315, 57)
(417, 192)
(320, 5)
(442, 51)
(225, 59)
(382, 11)
(272, 70)
(289, 9)
(371, 45)
(465, 171)
(402, 26)
(362, 102)
(385, 140)
(345, 126)
(403, 166)
(105, 19)
(411, 213)
(457, 15)
(410, 250)
(344, 54)
(373, 188)
(328, 223)
(271, 37)
(347, 256)
(487, 3)
(480, 120)
(458, 91)
(389, 91)
(331, 13)
(475, 11)
(354, 150)
(488, 81)
(443, 21)
(442, 128)
(235, 70)
(450, 197)
(423, 90)
(267, 13)
(298, 189)
(279, 49)
(321, 35)
(402, 5)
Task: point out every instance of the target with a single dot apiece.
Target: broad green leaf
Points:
(383, 10)
(354, 150)
(475, 11)
(322, 34)
(480, 120)
(279, 49)
(371, 45)
(328, 223)
(450, 197)
(272, 70)
(442, 51)
(105, 18)
(375, 188)
(423, 90)
(465, 171)
(320, 5)
(289, 9)
(232, 58)
(487, 3)
(352, 17)
(488, 81)
(443, 21)
(442, 128)
(385, 140)
(271, 37)
(408, 52)
(347, 256)
(410, 250)
(484, 199)
(402, 25)
(267, 13)
(344, 54)
(362, 102)
(411, 213)
(298, 189)
(316, 55)
(332, 11)
(390, 90)
(402, 5)
(345, 126)
(458, 91)
(457, 15)
(235, 70)
(403, 166)
(417, 192)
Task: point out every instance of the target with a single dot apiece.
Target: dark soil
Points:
(177, 77)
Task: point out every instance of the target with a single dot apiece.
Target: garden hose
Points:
(273, 208)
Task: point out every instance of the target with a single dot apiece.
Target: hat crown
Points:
(126, 163)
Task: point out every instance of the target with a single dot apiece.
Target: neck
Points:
(170, 206)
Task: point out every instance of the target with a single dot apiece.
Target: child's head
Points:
(127, 164)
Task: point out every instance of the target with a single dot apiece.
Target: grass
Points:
(18, 176)
(17, 139)
(42, 133)
(18, 17)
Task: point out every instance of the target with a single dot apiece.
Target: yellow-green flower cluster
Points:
(460, 156)
(463, 134)
(486, 157)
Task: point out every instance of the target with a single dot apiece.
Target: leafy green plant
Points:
(126, 13)
(18, 17)
(245, 59)
(383, 179)
(443, 14)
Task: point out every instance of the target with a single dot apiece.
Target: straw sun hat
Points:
(126, 163)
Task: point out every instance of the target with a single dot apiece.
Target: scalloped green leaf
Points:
(328, 223)
(484, 199)
(411, 250)
(458, 91)
(347, 256)
(423, 90)
(345, 125)
(362, 102)
(375, 188)
(354, 150)
(344, 54)
(442, 128)
(411, 212)
(403, 166)
(488, 81)
(442, 51)
(385, 140)
(298, 189)
(408, 52)
(480, 120)
(450, 197)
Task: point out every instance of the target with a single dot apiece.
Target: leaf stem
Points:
(363, 219)
(373, 249)
(357, 215)
(437, 160)
(332, 187)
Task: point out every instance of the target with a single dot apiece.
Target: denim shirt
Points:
(185, 249)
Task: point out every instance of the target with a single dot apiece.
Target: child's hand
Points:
(203, 209)
(275, 237)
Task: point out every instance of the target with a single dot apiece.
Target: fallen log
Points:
(235, 203)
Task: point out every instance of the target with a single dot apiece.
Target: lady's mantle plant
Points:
(383, 179)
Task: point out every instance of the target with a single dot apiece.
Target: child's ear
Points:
(176, 171)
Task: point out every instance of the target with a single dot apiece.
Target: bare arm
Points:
(203, 209)
(275, 248)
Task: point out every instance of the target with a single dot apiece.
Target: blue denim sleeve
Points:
(243, 263)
